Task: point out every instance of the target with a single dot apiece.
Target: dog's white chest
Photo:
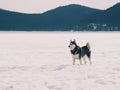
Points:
(76, 56)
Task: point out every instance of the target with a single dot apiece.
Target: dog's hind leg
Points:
(80, 61)
(90, 60)
(89, 57)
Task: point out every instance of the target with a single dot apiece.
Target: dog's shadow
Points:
(61, 67)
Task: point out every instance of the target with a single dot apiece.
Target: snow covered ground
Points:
(42, 61)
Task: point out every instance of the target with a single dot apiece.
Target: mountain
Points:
(60, 18)
(16, 21)
(75, 17)
(109, 17)
(68, 15)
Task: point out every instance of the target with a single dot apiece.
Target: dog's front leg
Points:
(84, 58)
(73, 61)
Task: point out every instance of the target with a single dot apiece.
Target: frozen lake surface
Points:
(42, 61)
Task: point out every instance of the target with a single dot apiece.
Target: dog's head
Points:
(72, 44)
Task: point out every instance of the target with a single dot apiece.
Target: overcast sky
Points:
(39, 6)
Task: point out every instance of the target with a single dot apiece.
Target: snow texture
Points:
(42, 61)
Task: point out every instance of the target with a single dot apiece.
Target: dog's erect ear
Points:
(74, 40)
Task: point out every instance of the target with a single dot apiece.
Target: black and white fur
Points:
(80, 52)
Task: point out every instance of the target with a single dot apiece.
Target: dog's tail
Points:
(88, 45)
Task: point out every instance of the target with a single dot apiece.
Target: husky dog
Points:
(80, 52)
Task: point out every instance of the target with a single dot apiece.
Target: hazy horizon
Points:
(38, 6)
